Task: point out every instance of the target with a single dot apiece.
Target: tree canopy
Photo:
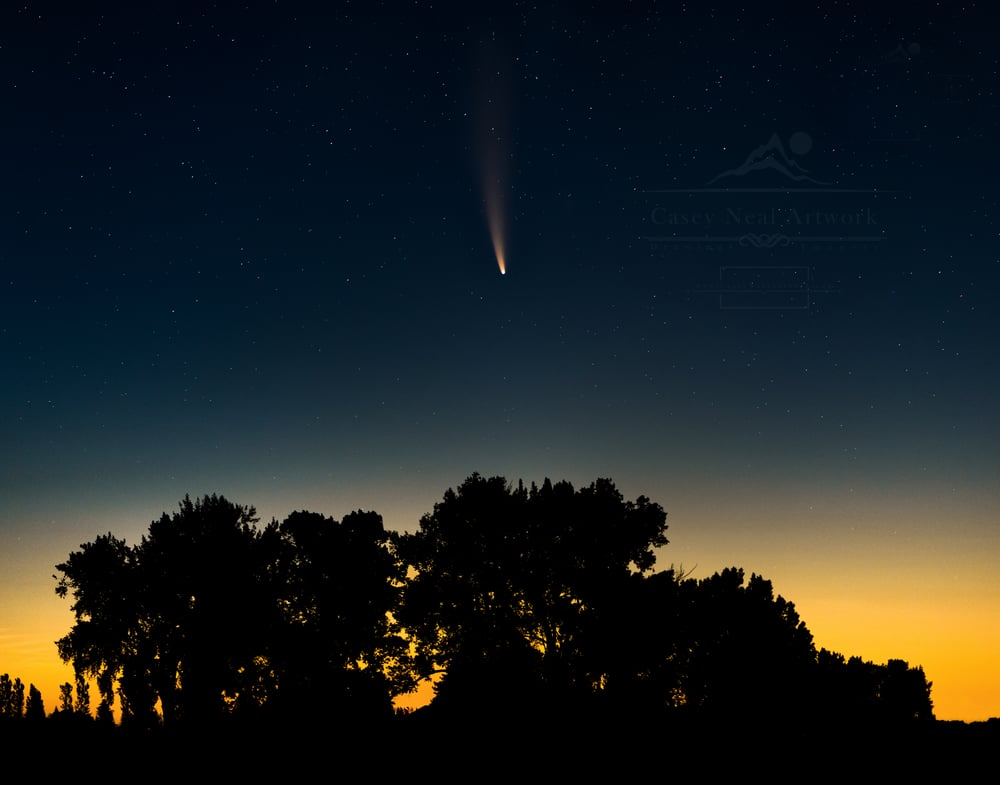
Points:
(518, 599)
(212, 615)
(506, 580)
(336, 586)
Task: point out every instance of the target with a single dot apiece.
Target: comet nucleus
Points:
(492, 146)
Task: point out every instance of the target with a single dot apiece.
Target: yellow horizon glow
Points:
(885, 576)
(958, 646)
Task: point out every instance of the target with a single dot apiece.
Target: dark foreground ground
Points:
(417, 747)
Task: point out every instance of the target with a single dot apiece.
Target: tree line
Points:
(514, 600)
(14, 704)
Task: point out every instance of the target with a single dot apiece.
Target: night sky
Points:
(751, 269)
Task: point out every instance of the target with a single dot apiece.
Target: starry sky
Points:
(751, 261)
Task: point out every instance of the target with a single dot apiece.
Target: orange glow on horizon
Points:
(880, 577)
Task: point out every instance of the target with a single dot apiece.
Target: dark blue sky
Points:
(245, 250)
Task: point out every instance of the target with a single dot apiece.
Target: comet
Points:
(495, 213)
(493, 146)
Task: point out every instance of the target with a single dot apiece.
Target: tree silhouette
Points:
(505, 579)
(202, 601)
(105, 717)
(108, 634)
(82, 696)
(743, 648)
(527, 601)
(852, 690)
(633, 639)
(34, 708)
(904, 692)
(211, 616)
(66, 698)
(337, 585)
(172, 619)
(11, 697)
(73, 714)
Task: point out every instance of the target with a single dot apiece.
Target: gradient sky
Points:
(751, 269)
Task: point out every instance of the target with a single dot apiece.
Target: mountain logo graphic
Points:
(772, 157)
